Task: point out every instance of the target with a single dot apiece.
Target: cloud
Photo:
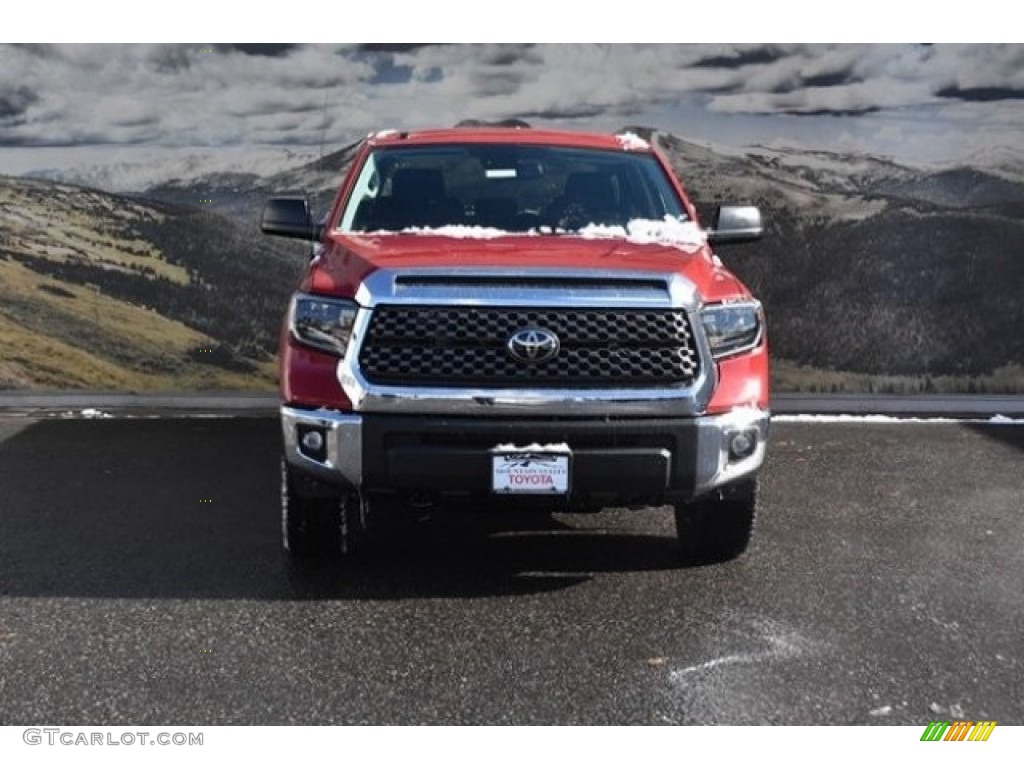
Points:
(226, 94)
(741, 56)
(507, 55)
(14, 102)
(569, 113)
(179, 95)
(273, 50)
(982, 93)
(391, 47)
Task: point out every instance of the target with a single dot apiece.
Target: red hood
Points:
(347, 260)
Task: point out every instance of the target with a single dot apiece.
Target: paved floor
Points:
(141, 583)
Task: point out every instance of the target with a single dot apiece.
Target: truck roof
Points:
(502, 135)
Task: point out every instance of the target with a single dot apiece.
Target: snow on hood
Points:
(668, 231)
(459, 232)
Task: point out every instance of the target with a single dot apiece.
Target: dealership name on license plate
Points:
(530, 472)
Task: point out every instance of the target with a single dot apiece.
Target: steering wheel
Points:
(571, 216)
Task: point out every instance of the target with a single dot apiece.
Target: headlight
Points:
(732, 328)
(322, 323)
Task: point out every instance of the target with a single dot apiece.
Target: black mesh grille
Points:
(468, 346)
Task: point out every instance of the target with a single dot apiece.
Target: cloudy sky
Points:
(918, 103)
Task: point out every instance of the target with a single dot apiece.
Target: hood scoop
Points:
(537, 287)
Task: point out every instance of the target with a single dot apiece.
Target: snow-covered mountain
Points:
(1001, 161)
(240, 195)
(138, 169)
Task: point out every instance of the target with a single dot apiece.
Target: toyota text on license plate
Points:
(530, 472)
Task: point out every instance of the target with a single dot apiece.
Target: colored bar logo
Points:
(959, 730)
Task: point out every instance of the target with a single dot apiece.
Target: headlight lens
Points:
(732, 328)
(322, 323)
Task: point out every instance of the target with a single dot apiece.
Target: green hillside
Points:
(101, 291)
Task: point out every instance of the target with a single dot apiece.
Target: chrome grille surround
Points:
(440, 346)
(587, 304)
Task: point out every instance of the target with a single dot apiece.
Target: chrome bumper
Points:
(343, 433)
(342, 462)
(714, 433)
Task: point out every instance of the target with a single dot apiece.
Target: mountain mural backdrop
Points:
(876, 276)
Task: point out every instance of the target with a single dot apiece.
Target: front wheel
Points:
(318, 527)
(717, 528)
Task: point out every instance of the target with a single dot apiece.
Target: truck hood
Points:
(346, 259)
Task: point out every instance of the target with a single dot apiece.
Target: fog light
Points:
(312, 443)
(742, 445)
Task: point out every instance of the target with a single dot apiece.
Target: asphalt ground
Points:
(142, 583)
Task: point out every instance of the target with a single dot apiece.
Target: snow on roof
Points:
(630, 140)
(496, 135)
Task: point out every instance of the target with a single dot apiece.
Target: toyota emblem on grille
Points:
(533, 345)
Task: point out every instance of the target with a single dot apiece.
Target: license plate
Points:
(540, 472)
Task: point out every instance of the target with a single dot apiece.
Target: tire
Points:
(315, 527)
(717, 528)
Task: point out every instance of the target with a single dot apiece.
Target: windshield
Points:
(508, 188)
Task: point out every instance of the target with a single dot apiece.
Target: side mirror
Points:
(289, 217)
(736, 224)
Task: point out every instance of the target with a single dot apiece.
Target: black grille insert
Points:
(443, 346)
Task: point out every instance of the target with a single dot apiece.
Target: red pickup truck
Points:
(518, 318)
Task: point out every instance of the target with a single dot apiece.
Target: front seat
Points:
(419, 199)
(589, 197)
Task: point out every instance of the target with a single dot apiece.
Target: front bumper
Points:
(622, 460)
